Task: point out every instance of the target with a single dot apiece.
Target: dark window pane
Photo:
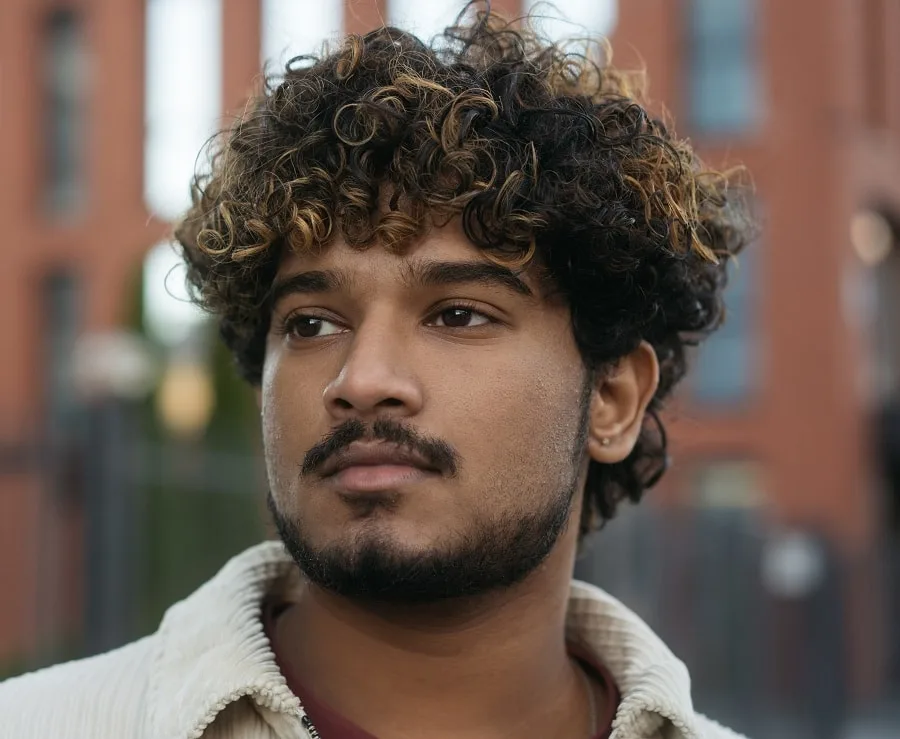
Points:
(723, 80)
(61, 326)
(875, 60)
(65, 84)
(727, 364)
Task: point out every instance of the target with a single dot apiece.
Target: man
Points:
(461, 279)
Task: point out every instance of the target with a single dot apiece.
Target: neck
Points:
(492, 666)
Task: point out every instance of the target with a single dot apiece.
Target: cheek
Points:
(519, 419)
(272, 406)
(291, 399)
(289, 417)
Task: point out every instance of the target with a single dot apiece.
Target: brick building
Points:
(806, 94)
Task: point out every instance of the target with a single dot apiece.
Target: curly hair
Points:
(545, 152)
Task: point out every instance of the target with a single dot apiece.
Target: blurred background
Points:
(130, 468)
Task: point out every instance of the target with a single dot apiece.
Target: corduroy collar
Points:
(213, 651)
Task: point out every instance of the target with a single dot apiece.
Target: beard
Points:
(493, 554)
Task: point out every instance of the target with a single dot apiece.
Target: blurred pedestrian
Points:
(462, 278)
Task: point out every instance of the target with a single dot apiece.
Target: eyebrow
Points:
(312, 282)
(418, 274)
(435, 274)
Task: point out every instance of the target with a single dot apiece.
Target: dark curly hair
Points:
(544, 151)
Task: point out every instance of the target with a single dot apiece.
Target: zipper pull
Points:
(310, 727)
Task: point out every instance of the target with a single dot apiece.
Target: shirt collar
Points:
(654, 684)
(213, 651)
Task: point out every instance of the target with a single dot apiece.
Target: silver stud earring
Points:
(605, 441)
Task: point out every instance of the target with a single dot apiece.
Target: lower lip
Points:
(376, 477)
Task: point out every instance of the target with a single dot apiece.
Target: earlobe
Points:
(619, 402)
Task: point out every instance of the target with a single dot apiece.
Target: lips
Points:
(373, 467)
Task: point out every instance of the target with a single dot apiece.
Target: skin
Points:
(502, 386)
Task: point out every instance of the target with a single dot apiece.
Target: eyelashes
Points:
(304, 324)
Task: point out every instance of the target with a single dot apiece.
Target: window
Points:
(61, 312)
(726, 368)
(65, 87)
(728, 483)
(289, 29)
(875, 51)
(423, 19)
(183, 96)
(723, 84)
(574, 17)
(169, 316)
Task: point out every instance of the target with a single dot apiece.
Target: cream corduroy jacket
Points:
(209, 672)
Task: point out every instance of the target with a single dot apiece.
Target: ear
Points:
(618, 404)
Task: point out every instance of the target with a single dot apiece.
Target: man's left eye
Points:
(460, 318)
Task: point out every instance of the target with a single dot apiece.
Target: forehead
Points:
(439, 243)
(444, 256)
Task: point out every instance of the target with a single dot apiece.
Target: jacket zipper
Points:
(310, 728)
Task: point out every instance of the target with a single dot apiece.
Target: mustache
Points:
(436, 452)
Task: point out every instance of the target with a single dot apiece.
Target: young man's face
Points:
(473, 470)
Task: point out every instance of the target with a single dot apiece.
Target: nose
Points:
(377, 378)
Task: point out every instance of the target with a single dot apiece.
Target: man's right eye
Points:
(309, 327)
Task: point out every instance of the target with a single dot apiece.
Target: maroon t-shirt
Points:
(331, 725)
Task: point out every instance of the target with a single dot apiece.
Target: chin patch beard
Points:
(495, 555)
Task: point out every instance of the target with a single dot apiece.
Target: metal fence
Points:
(757, 615)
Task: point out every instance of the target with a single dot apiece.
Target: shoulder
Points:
(94, 698)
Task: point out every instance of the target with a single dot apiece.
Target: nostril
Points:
(391, 402)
